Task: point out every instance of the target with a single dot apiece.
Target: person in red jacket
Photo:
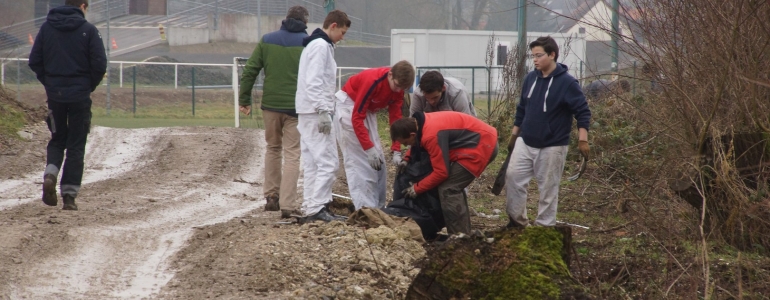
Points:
(460, 147)
(357, 104)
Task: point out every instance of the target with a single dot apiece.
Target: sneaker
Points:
(272, 203)
(69, 203)
(323, 215)
(49, 190)
(286, 213)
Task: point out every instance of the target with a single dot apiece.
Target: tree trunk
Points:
(528, 263)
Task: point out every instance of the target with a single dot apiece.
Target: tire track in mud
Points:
(137, 210)
(110, 152)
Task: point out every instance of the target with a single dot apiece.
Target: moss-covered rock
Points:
(518, 264)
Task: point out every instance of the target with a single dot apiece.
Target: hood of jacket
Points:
(66, 18)
(293, 25)
(317, 34)
(560, 69)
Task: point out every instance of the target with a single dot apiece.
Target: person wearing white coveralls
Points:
(316, 83)
(358, 102)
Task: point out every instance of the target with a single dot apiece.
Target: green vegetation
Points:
(128, 122)
(519, 264)
(11, 120)
(218, 114)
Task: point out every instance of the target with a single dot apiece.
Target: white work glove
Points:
(324, 122)
(374, 158)
(410, 192)
(396, 157)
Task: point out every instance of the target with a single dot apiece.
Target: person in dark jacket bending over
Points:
(549, 100)
(69, 60)
(278, 54)
(460, 148)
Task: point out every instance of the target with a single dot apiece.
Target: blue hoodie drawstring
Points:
(545, 107)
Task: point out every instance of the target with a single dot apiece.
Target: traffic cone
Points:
(162, 32)
(114, 44)
(31, 40)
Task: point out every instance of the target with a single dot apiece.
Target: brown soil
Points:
(176, 213)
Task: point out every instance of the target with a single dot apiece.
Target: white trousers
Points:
(319, 163)
(367, 185)
(547, 166)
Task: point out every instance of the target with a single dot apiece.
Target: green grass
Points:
(11, 121)
(128, 122)
(171, 111)
(173, 115)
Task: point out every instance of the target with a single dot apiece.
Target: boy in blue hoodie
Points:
(68, 58)
(549, 100)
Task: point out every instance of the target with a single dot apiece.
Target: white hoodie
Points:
(316, 79)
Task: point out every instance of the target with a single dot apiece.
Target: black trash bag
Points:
(426, 209)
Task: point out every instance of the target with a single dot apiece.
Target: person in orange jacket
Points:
(357, 104)
(460, 147)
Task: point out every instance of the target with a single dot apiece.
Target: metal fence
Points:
(480, 81)
(21, 33)
(163, 90)
(190, 13)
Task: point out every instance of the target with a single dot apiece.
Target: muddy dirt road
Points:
(176, 213)
(143, 193)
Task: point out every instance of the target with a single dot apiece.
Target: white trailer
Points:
(468, 48)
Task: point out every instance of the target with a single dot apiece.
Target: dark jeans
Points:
(454, 201)
(70, 124)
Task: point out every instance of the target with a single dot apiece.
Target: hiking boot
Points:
(49, 190)
(272, 203)
(287, 213)
(514, 224)
(69, 203)
(323, 215)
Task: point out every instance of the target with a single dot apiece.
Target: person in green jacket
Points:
(278, 54)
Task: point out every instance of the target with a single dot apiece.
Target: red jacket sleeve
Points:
(359, 115)
(439, 174)
(394, 114)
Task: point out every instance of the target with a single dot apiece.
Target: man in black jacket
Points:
(69, 60)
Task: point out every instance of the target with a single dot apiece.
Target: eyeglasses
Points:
(536, 55)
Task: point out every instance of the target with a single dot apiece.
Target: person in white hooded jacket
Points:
(316, 85)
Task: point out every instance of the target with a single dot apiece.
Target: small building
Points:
(455, 51)
(594, 17)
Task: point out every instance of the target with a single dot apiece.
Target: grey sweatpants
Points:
(547, 166)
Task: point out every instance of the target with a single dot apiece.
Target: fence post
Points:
(473, 87)
(2, 73)
(134, 80)
(176, 72)
(419, 75)
(235, 92)
(121, 74)
(581, 74)
(18, 80)
(193, 91)
(489, 90)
